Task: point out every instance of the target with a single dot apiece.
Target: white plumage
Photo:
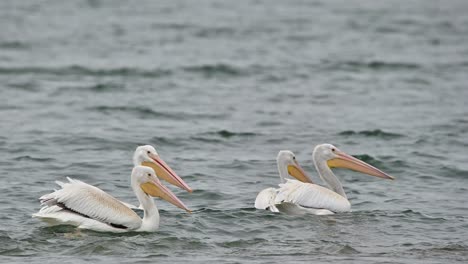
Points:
(88, 207)
(266, 200)
(148, 156)
(80, 202)
(311, 196)
(294, 196)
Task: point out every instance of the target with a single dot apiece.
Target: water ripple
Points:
(37, 159)
(229, 134)
(212, 70)
(371, 133)
(207, 70)
(14, 45)
(148, 113)
(377, 65)
(83, 71)
(223, 86)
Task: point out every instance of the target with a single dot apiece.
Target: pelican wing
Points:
(266, 200)
(311, 196)
(91, 202)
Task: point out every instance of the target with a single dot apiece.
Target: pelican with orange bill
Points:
(87, 207)
(303, 194)
(147, 156)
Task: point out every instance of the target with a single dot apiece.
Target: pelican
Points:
(302, 194)
(88, 207)
(148, 156)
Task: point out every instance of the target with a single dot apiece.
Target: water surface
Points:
(219, 88)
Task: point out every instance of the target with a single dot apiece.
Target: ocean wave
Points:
(207, 70)
(30, 86)
(82, 142)
(206, 140)
(381, 65)
(229, 134)
(211, 70)
(242, 243)
(140, 111)
(410, 215)
(171, 25)
(343, 250)
(167, 141)
(376, 65)
(447, 251)
(213, 32)
(146, 113)
(81, 70)
(221, 136)
(29, 158)
(369, 159)
(453, 172)
(179, 242)
(230, 212)
(371, 133)
(15, 45)
(8, 245)
(207, 195)
(97, 87)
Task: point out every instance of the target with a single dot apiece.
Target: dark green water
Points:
(219, 88)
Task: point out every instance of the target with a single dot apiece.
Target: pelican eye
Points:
(149, 152)
(149, 174)
(294, 158)
(333, 149)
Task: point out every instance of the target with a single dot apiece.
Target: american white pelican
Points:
(147, 156)
(303, 195)
(88, 207)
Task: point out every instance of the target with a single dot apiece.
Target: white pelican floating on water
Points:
(88, 207)
(303, 195)
(147, 156)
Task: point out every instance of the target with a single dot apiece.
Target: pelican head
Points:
(335, 158)
(287, 159)
(145, 178)
(147, 156)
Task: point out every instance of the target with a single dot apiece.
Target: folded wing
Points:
(311, 196)
(91, 202)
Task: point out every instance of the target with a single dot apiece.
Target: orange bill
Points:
(156, 189)
(298, 172)
(349, 162)
(165, 172)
